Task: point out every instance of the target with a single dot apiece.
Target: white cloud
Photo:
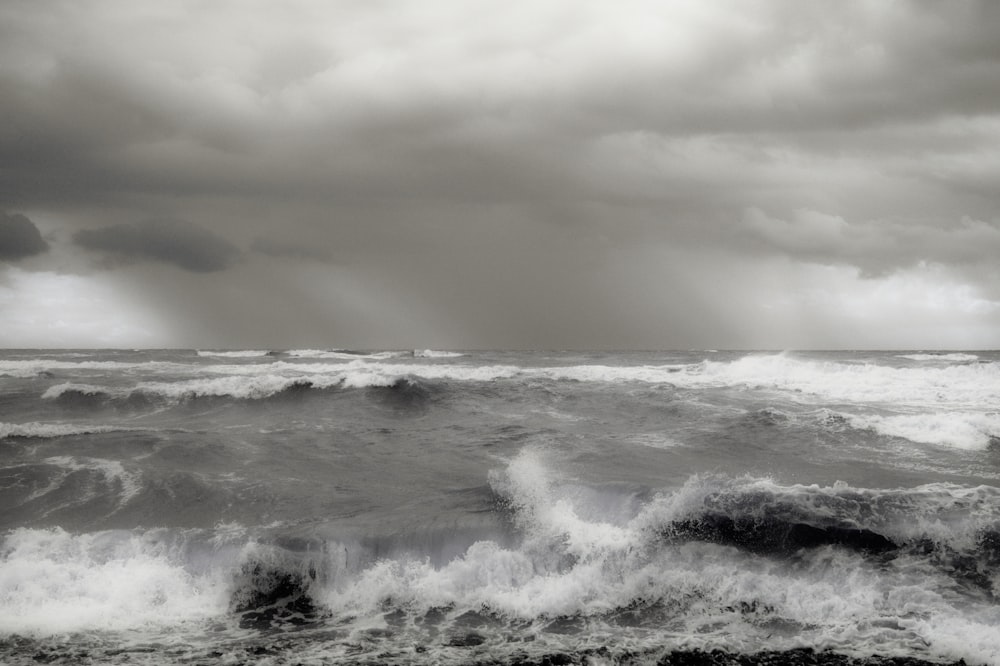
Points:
(46, 309)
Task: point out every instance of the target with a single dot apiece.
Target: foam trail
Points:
(431, 353)
(50, 430)
(112, 473)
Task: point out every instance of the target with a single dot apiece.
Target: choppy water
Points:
(316, 506)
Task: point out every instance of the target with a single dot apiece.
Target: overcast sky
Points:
(472, 174)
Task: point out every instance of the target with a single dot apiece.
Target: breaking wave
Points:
(966, 384)
(743, 562)
(963, 430)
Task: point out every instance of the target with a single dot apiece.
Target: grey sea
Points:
(432, 507)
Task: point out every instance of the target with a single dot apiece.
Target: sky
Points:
(473, 174)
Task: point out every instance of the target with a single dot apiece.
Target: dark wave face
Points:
(330, 506)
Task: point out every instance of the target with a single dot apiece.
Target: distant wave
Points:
(35, 367)
(963, 384)
(252, 385)
(345, 355)
(250, 353)
(967, 387)
(243, 388)
(431, 353)
(959, 358)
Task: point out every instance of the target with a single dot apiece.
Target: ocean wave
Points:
(72, 390)
(256, 385)
(962, 388)
(946, 514)
(962, 430)
(345, 355)
(951, 385)
(431, 353)
(322, 353)
(249, 353)
(943, 357)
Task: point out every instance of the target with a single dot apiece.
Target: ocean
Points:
(431, 507)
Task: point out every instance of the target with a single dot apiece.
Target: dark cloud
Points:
(362, 104)
(170, 241)
(19, 238)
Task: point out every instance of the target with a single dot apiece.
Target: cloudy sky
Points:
(482, 174)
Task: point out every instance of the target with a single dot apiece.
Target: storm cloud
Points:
(19, 238)
(558, 174)
(175, 242)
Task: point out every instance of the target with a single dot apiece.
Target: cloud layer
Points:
(489, 167)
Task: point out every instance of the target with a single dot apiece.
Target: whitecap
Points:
(247, 353)
(963, 430)
(432, 353)
(945, 357)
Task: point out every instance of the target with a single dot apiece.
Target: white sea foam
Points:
(247, 353)
(963, 430)
(951, 385)
(53, 582)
